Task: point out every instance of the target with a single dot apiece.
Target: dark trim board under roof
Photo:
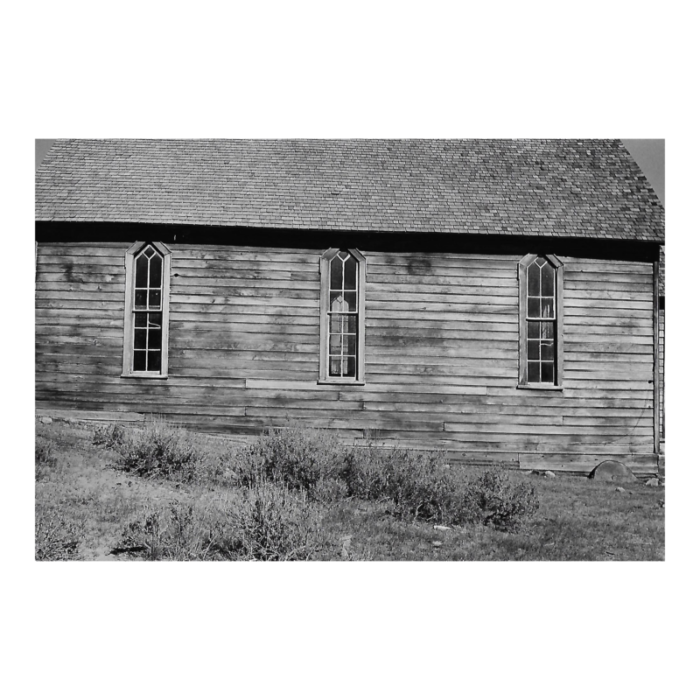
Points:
(531, 187)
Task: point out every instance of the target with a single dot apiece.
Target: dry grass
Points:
(85, 509)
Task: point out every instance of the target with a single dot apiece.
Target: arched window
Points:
(342, 316)
(541, 279)
(146, 311)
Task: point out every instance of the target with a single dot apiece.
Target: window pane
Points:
(337, 323)
(350, 273)
(547, 351)
(533, 372)
(547, 281)
(141, 320)
(336, 273)
(351, 322)
(351, 301)
(349, 367)
(547, 307)
(335, 343)
(533, 349)
(335, 366)
(548, 372)
(140, 299)
(154, 299)
(156, 268)
(155, 337)
(337, 303)
(548, 330)
(349, 345)
(154, 361)
(533, 280)
(533, 329)
(139, 361)
(140, 339)
(141, 271)
(533, 307)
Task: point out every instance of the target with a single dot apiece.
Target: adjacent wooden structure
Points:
(442, 317)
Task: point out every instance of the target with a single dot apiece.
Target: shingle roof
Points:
(583, 188)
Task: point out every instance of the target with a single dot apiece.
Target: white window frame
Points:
(324, 370)
(129, 311)
(558, 266)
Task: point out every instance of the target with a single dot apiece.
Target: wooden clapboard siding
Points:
(442, 341)
(662, 368)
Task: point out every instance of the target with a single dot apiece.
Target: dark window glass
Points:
(350, 345)
(548, 372)
(335, 366)
(156, 269)
(533, 307)
(140, 339)
(154, 299)
(154, 361)
(350, 273)
(547, 281)
(336, 273)
(533, 281)
(155, 337)
(140, 299)
(141, 271)
(548, 330)
(349, 367)
(140, 320)
(533, 349)
(336, 340)
(547, 307)
(547, 350)
(533, 372)
(139, 360)
(351, 301)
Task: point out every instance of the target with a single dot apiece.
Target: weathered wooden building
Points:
(495, 298)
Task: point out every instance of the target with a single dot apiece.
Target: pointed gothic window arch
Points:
(541, 280)
(342, 320)
(146, 307)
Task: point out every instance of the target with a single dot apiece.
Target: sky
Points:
(650, 155)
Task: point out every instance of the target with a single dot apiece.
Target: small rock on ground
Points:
(651, 482)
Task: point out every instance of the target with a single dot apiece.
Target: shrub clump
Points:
(423, 487)
(177, 532)
(272, 523)
(55, 539)
(420, 486)
(159, 450)
(268, 522)
(109, 436)
(45, 460)
(501, 503)
(301, 459)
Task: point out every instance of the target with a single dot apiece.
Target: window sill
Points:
(540, 387)
(341, 382)
(143, 375)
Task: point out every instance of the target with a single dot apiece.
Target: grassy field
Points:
(87, 509)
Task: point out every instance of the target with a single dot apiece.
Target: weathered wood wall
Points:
(662, 370)
(441, 350)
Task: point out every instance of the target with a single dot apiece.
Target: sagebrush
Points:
(160, 450)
